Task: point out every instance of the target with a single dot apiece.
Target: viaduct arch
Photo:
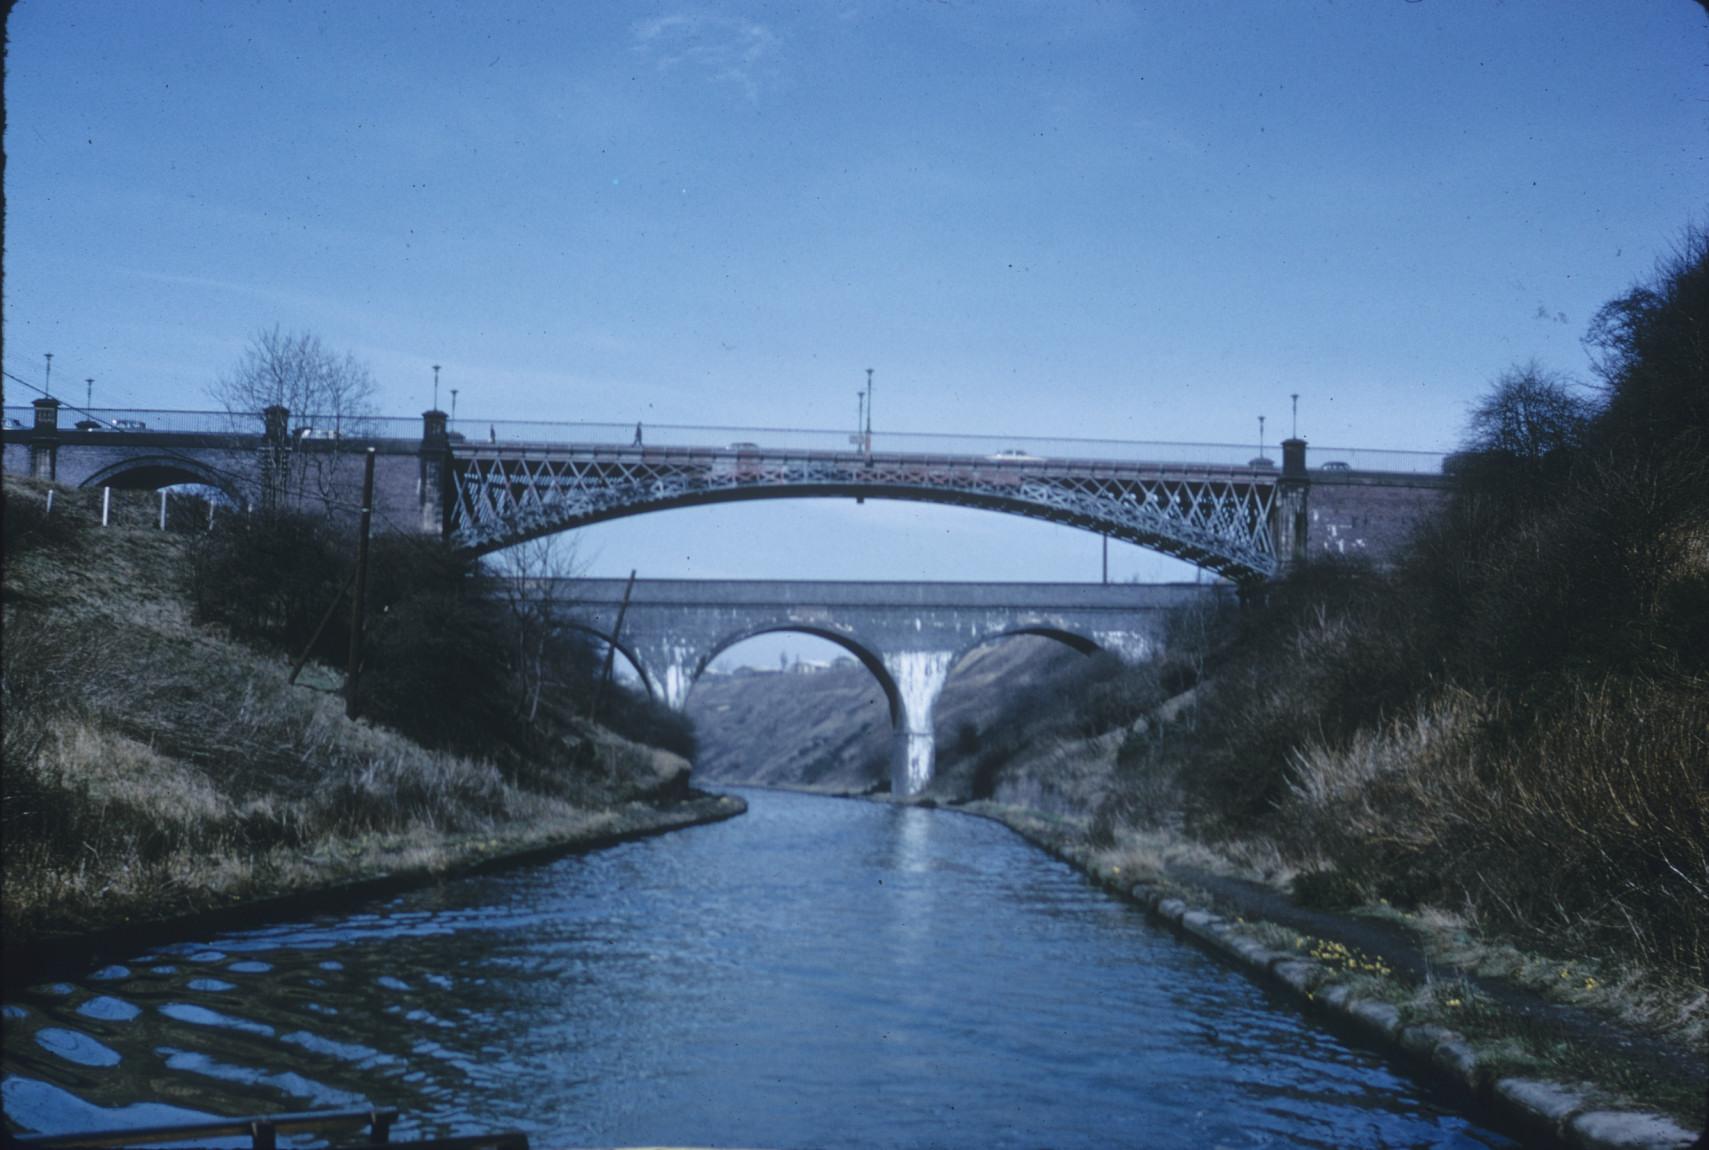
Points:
(908, 635)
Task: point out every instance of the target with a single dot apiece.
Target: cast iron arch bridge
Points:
(1220, 518)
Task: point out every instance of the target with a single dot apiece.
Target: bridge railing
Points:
(511, 432)
(1018, 447)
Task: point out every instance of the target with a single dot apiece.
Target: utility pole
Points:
(359, 605)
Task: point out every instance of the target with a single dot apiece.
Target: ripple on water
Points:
(111, 973)
(210, 985)
(288, 1082)
(75, 1046)
(202, 1016)
(109, 1009)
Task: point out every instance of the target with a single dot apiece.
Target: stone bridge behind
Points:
(909, 635)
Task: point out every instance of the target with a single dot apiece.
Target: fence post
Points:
(211, 504)
(163, 509)
(106, 503)
(49, 501)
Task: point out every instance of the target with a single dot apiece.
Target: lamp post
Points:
(1260, 437)
(453, 405)
(436, 387)
(47, 383)
(868, 432)
(88, 394)
(1295, 396)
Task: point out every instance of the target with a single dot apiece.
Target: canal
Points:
(817, 973)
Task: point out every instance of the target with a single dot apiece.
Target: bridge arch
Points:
(152, 472)
(624, 649)
(863, 653)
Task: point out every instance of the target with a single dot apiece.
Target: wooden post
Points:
(106, 503)
(297, 667)
(163, 509)
(359, 605)
(49, 501)
(611, 648)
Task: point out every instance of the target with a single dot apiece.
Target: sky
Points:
(1092, 218)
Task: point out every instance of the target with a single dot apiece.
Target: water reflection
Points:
(818, 973)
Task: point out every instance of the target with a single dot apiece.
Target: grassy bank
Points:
(154, 765)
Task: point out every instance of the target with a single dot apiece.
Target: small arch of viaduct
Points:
(908, 635)
(151, 472)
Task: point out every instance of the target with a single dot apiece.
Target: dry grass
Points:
(1589, 835)
(150, 766)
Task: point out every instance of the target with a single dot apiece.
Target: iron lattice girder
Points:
(1219, 518)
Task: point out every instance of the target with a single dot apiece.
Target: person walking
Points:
(637, 442)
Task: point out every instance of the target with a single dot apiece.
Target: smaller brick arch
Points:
(152, 472)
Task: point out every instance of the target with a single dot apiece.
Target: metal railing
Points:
(513, 432)
(263, 1131)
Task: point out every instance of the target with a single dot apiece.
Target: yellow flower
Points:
(1590, 984)
(1453, 1002)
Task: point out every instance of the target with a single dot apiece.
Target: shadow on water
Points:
(819, 973)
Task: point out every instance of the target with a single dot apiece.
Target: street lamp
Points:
(47, 384)
(868, 432)
(436, 387)
(453, 405)
(1295, 396)
(88, 393)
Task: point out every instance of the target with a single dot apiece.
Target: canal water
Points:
(817, 973)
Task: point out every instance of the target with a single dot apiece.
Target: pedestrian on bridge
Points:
(637, 442)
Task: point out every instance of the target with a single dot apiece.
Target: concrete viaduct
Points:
(1247, 523)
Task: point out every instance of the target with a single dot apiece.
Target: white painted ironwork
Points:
(1218, 517)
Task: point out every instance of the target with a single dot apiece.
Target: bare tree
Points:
(329, 397)
(1528, 415)
(536, 579)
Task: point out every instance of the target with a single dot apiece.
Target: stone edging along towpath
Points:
(1544, 1113)
(1562, 1114)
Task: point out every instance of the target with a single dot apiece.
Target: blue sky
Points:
(1089, 218)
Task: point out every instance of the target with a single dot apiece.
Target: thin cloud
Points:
(726, 49)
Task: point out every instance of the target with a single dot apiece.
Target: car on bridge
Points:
(1015, 455)
(1336, 465)
(129, 425)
